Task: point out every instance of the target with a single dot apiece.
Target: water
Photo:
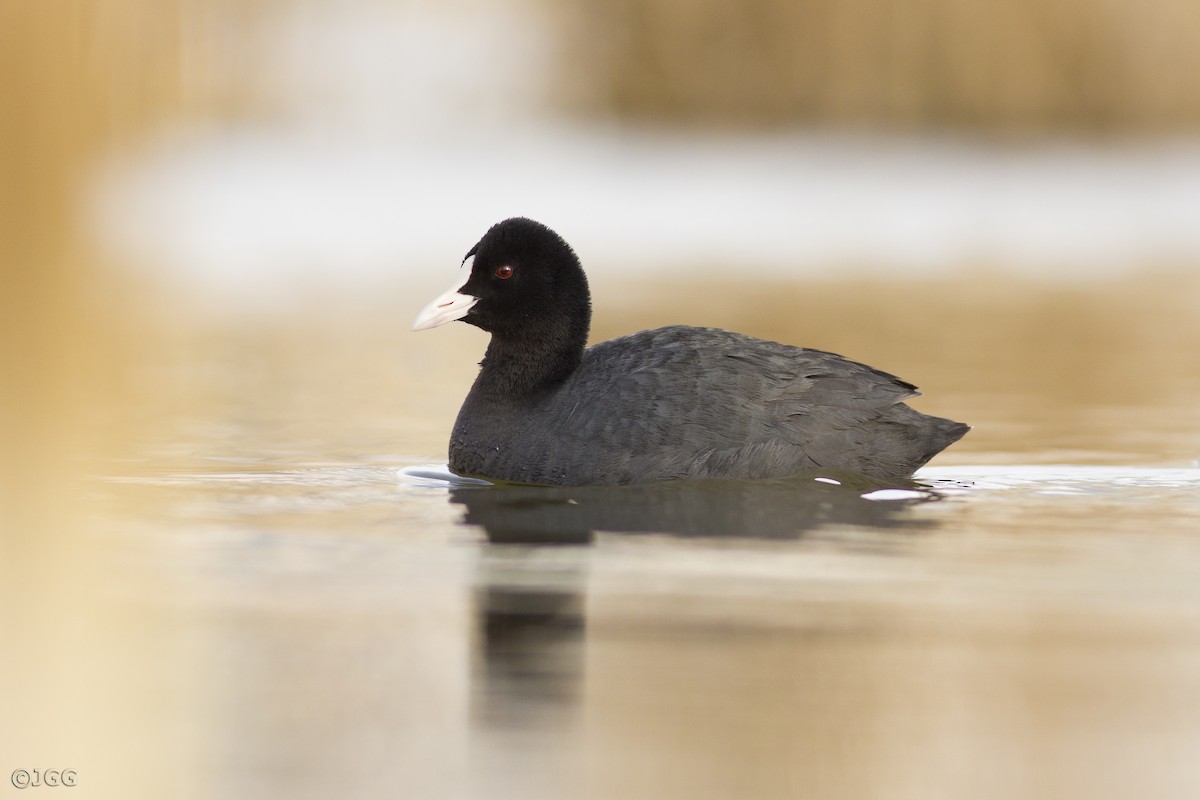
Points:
(351, 620)
(364, 630)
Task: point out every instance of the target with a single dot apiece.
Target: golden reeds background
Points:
(1032, 67)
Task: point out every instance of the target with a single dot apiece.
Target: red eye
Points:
(504, 271)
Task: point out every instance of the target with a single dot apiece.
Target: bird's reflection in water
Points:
(530, 659)
(530, 602)
(776, 509)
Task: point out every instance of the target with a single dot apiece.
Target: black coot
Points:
(666, 404)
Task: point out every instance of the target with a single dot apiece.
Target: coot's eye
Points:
(504, 271)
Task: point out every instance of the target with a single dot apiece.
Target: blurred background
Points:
(218, 218)
(318, 145)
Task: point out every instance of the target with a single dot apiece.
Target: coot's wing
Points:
(803, 393)
(691, 402)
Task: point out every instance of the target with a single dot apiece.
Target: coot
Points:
(665, 404)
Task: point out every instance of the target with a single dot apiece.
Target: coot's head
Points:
(520, 279)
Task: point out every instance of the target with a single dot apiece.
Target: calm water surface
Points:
(1021, 621)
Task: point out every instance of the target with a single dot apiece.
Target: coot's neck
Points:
(521, 364)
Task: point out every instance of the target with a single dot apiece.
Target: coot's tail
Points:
(939, 433)
(894, 445)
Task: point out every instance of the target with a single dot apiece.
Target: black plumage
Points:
(666, 404)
